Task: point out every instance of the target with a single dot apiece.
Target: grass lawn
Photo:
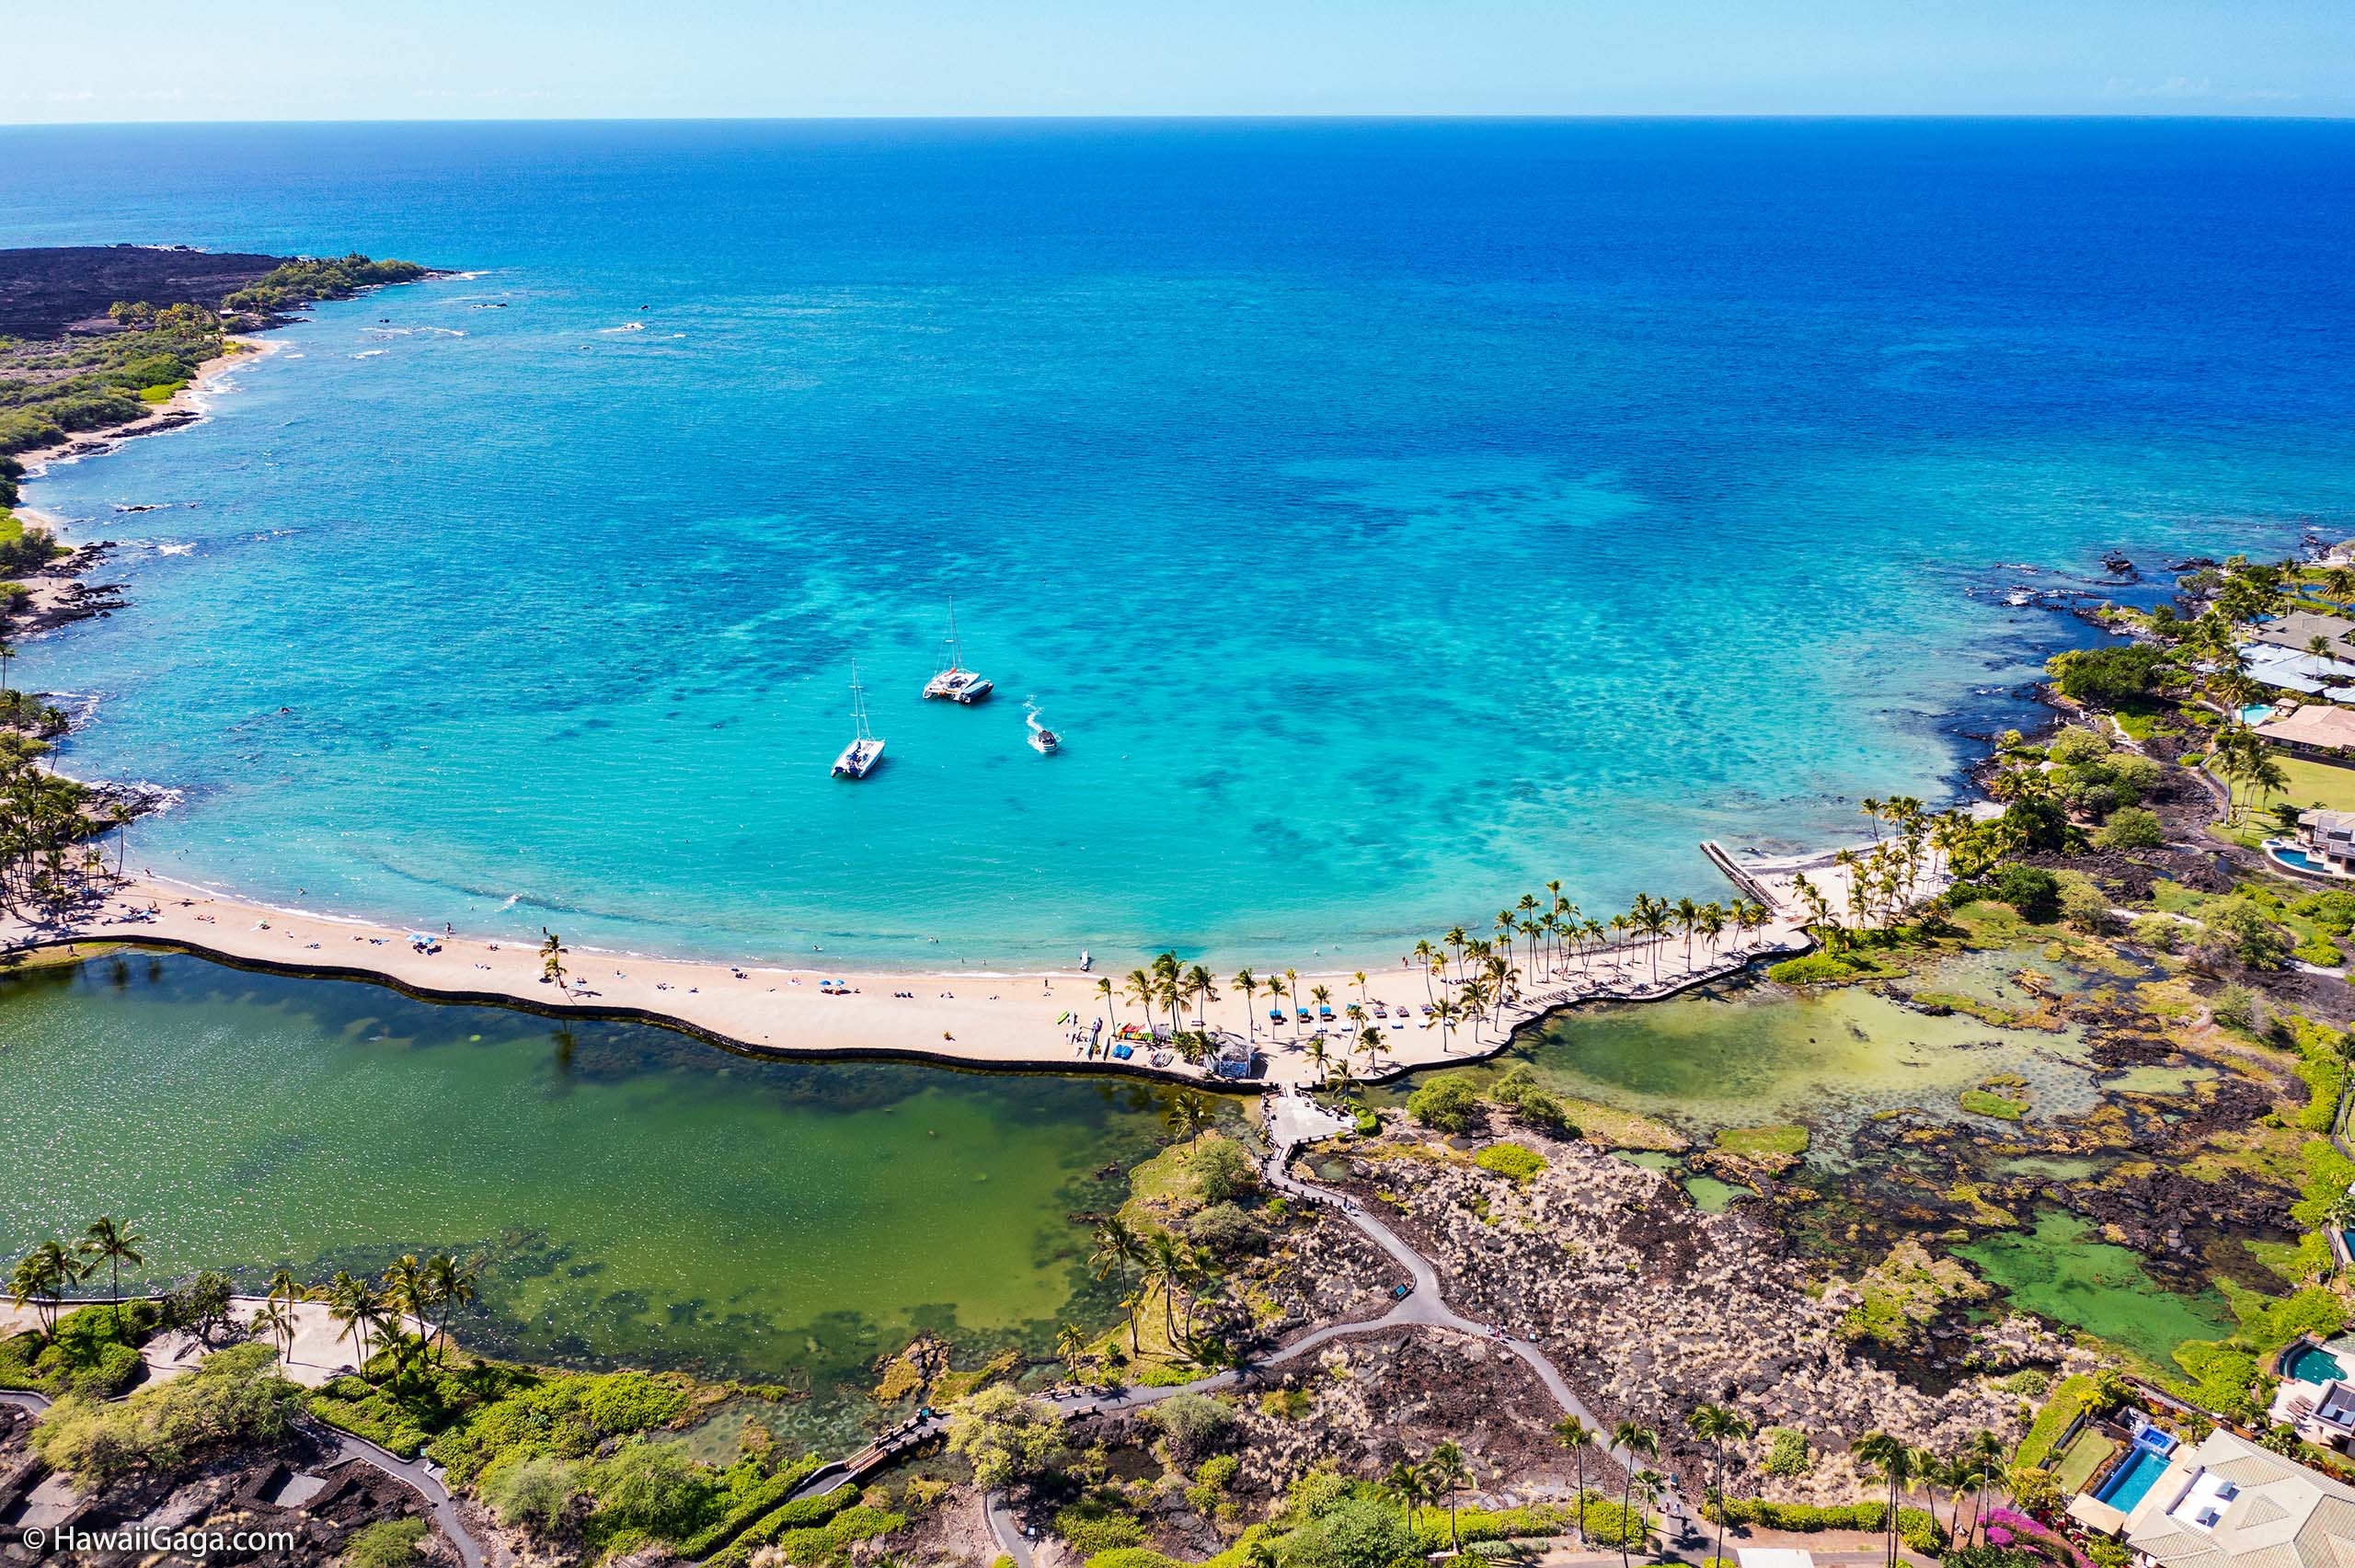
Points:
(2081, 1459)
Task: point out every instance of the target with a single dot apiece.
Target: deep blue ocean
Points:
(1391, 516)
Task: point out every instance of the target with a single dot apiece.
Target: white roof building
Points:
(2229, 1503)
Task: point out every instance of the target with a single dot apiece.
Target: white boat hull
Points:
(858, 759)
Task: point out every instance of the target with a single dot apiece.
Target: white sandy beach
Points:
(1033, 1020)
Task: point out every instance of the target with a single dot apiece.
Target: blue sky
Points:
(148, 60)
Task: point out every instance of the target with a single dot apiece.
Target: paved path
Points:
(1005, 1531)
(1291, 1121)
(421, 1476)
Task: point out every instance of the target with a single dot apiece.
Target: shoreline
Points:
(960, 1020)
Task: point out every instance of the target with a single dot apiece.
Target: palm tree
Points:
(1199, 987)
(1117, 1247)
(1648, 1486)
(1189, 1112)
(1111, 1004)
(451, 1285)
(359, 1306)
(1404, 1483)
(1292, 981)
(408, 1292)
(1316, 1054)
(7, 655)
(1323, 997)
(1140, 989)
(1425, 956)
(1713, 1424)
(1894, 1460)
(276, 1318)
(1375, 1045)
(1360, 978)
(1248, 984)
(1276, 994)
(1448, 1475)
(551, 956)
(114, 1245)
(1132, 1304)
(1631, 1438)
(1072, 1346)
(1984, 1455)
(41, 1278)
(1576, 1436)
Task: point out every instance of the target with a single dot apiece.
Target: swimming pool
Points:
(2256, 714)
(2312, 1364)
(2298, 859)
(2130, 1482)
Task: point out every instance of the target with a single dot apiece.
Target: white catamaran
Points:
(956, 682)
(858, 758)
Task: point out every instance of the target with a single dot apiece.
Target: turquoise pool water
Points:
(2290, 855)
(2312, 1364)
(2131, 1481)
(1389, 516)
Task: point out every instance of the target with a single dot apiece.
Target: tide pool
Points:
(1390, 517)
(643, 1199)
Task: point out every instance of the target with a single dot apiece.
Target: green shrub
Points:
(1919, 1531)
(1512, 1160)
(2334, 911)
(387, 1543)
(2319, 951)
(1448, 1103)
(2030, 889)
(1786, 1456)
(235, 1397)
(1357, 1532)
(1094, 1525)
(2131, 828)
(1820, 967)
(530, 1491)
(653, 1489)
(1194, 1425)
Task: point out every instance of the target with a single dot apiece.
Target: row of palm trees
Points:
(1900, 1466)
(371, 1311)
(46, 823)
(1483, 972)
(1147, 1260)
(43, 1276)
(1436, 1478)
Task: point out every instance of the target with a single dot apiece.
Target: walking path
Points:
(1293, 1119)
(421, 1476)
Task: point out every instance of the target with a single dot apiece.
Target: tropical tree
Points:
(1189, 1112)
(1072, 1346)
(276, 1318)
(1714, 1424)
(359, 1306)
(1648, 1486)
(113, 1245)
(450, 1284)
(1895, 1461)
(1405, 1484)
(1112, 1003)
(1576, 1436)
(1631, 1440)
(41, 1278)
(551, 956)
(1118, 1246)
(1248, 984)
(1448, 1475)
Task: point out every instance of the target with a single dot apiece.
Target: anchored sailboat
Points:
(858, 758)
(956, 682)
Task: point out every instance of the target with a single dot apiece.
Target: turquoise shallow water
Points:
(1390, 516)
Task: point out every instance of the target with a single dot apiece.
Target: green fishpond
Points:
(645, 1198)
(2061, 1269)
(1744, 1055)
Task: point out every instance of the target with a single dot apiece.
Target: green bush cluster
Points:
(387, 1543)
(1822, 967)
(309, 279)
(1786, 1456)
(1916, 1529)
(87, 1354)
(812, 1545)
(234, 1398)
(1512, 1160)
(1518, 1091)
(1447, 1102)
(1096, 1523)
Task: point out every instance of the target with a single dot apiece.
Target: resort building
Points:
(2323, 731)
(2328, 837)
(2226, 1504)
(2289, 670)
(2316, 1395)
(2299, 629)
